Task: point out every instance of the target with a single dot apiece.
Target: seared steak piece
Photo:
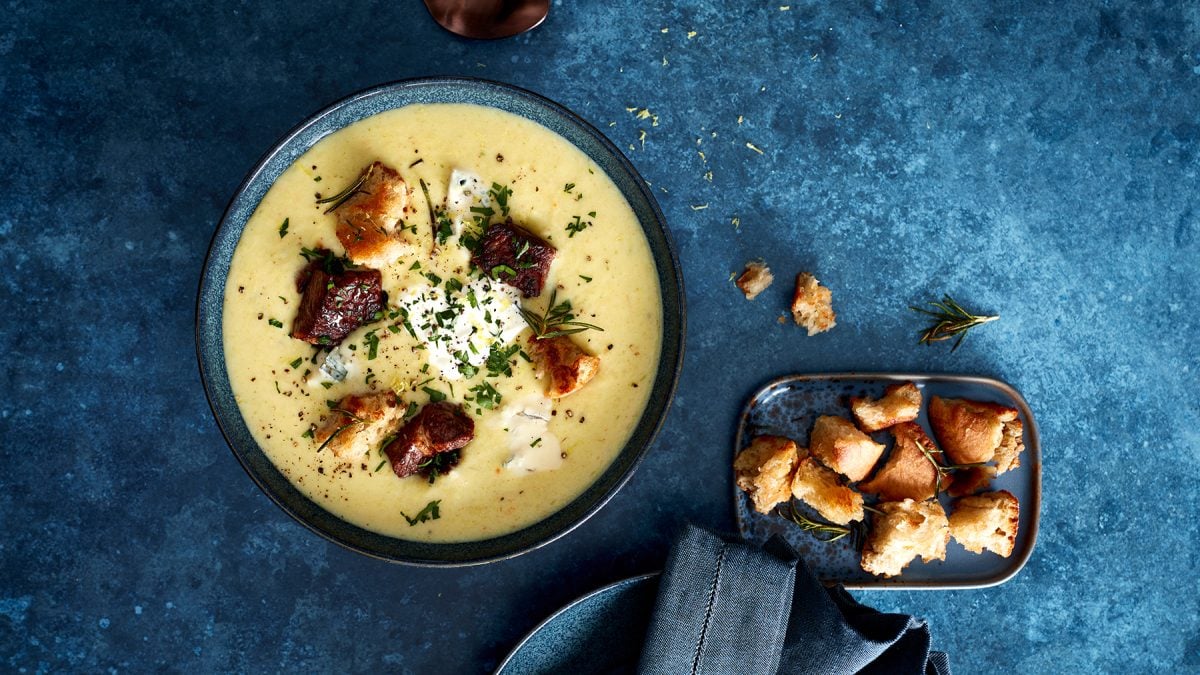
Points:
(335, 301)
(516, 256)
(438, 428)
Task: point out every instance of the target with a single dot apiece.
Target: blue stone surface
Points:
(1040, 162)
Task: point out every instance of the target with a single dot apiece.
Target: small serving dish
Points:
(788, 406)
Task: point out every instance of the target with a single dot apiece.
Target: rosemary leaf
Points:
(949, 320)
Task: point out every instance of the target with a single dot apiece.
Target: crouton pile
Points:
(976, 441)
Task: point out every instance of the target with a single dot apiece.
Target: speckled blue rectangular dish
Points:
(788, 407)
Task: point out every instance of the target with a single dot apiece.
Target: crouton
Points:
(969, 431)
(566, 366)
(367, 222)
(764, 471)
(843, 448)
(358, 423)
(824, 490)
(908, 473)
(755, 279)
(900, 403)
(903, 531)
(812, 305)
(971, 480)
(1008, 455)
(986, 521)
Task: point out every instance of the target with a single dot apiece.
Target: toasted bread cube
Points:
(755, 279)
(843, 448)
(359, 423)
(969, 431)
(367, 221)
(900, 403)
(902, 532)
(971, 480)
(764, 471)
(812, 305)
(1008, 455)
(986, 521)
(908, 472)
(566, 366)
(824, 490)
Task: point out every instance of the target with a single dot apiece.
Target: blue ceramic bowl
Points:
(209, 308)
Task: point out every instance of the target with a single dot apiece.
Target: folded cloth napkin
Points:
(730, 608)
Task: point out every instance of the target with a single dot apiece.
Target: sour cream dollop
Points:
(459, 325)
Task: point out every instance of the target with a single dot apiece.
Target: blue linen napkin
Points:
(730, 608)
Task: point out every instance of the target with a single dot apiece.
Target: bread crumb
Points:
(901, 532)
(812, 305)
(764, 471)
(986, 521)
(823, 490)
(755, 279)
(842, 447)
(900, 403)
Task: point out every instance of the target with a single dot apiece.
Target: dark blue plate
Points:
(602, 632)
(209, 308)
(788, 407)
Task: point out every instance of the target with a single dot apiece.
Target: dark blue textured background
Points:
(1039, 162)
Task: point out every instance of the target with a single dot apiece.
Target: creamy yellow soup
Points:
(605, 270)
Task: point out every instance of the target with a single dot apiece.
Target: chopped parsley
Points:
(579, 225)
(587, 279)
(296, 363)
(445, 228)
(503, 269)
(416, 265)
(439, 464)
(486, 395)
(275, 322)
(433, 278)
(435, 396)
(332, 264)
(498, 359)
(372, 342)
(430, 512)
(412, 410)
(283, 228)
(568, 187)
(500, 194)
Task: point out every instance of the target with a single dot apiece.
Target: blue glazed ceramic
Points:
(602, 632)
(209, 307)
(788, 407)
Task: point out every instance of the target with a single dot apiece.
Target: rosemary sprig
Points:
(345, 195)
(433, 226)
(943, 469)
(949, 320)
(354, 419)
(826, 532)
(557, 321)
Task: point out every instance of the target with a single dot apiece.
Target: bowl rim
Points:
(653, 416)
